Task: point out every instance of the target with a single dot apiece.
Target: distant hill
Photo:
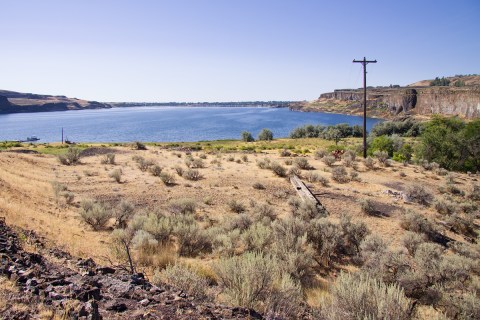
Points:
(468, 80)
(16, 102)
(461, 97)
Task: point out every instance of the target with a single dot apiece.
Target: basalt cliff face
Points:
(386, 102)
(464, 102)
(17, 102)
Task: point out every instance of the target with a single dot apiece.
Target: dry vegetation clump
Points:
(236, 206)
(294, 171)
(415, 222)
(258, 186)
(167, 178)
(305, 210)
(340, 175)
(183, 206)
(116, 175)
(302, 163)
(312, 177)
(184, 278)
(123, 213)
(156, 170)
(329, 160)
(71, 157)
(95, 214)
(193, 163)
(319, 154)
(369, 163)
(278, 253)
(368, 207)
(137, 145)
(278, 169)
(253, 280)
(108, 158)
(419, 194)
(192, 174)
(355, 296)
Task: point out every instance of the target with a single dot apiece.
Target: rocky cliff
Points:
(16, 102)
(464, 102)
(388, 102)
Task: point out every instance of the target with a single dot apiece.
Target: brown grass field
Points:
(27, 199)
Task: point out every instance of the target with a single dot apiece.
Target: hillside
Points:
(16, 102)
(237, 202)
(417, 99)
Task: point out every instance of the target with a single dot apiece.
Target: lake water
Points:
(163, 124)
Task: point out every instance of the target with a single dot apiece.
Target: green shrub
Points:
(159, 226)
(257, 237)
(179, 170)
(325, 238)
(247, 136)
(184, 278)
(361, 297)
(94, 214)
(265, 135)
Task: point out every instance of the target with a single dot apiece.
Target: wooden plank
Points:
(304, 192)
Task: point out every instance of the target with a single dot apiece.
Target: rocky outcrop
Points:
(4, 103)
(80, 289)
(16, 102)
(450, 101)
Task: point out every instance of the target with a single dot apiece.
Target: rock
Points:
(144, 302)
(116, 306)
(105, 270)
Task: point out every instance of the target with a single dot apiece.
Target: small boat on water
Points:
(29, 139)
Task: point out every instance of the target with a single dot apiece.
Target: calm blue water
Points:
(166, 124)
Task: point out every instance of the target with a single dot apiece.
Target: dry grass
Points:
(27, 199)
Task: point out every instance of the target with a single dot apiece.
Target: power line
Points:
(364, 62)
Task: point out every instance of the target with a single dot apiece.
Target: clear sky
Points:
(230, 50)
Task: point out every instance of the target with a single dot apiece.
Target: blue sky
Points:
(230, 50)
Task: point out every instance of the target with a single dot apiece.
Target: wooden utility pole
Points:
(364, 62)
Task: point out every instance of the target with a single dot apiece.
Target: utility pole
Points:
(364, 62)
